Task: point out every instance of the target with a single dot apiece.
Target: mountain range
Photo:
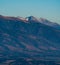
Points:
(29, 40)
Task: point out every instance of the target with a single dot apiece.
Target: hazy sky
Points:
(49, 9)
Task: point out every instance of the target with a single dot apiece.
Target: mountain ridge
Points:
(28, 40)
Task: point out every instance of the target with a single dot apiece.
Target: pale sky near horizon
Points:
(49, 9)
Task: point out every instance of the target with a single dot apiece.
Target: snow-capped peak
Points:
(31, 18)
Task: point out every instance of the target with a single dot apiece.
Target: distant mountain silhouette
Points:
(28, 39)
